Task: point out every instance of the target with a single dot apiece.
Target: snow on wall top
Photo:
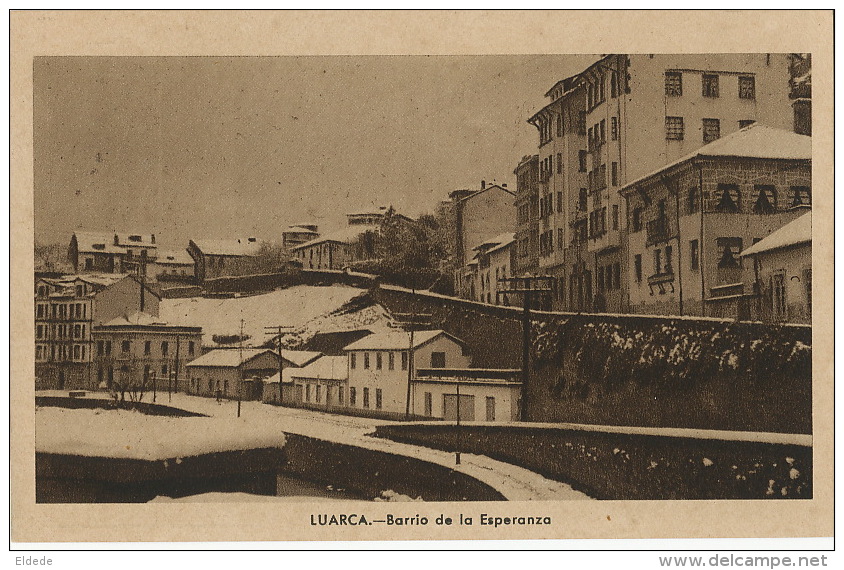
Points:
(396, 340)
(795, 232)
(130, 434)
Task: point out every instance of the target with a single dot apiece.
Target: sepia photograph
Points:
(375, 292)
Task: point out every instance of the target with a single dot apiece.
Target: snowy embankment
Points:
(307, 309)
(131, 435)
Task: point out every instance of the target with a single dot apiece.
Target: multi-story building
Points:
(380, 366)
(527, 216)
(139, 349)
(111, 252)
(689, 221)
(478, 216)
(638, 112)
(495, 259)
(298, 234)
(562, 211)
(220, 257)
(67, 310)
(801, 92)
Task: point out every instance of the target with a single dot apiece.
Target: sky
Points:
(208, 147)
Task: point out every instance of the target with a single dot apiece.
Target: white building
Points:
(479, 394)
(380, 366)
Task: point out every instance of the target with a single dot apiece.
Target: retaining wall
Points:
(617, 466)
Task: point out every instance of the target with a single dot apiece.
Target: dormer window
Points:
(135, 238)
(98, 246)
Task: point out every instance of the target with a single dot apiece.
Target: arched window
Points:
(729, 199)
(765, 199)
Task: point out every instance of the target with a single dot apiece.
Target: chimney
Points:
(504, 185)
(483, 184)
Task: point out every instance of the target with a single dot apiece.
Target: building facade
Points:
(527, 216)
(494, 260)
(172, 265)
(381, 367)
(221, 257)
(624, 116)
(141, 350)
(688, 222)
(231, 373)
(111, 252)
(488, 395)
(67, 310)
(779, 271)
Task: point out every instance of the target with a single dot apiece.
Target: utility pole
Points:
(410, 321)
(277, 330)
(176, 376)
(526, 286)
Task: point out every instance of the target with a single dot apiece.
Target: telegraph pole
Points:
(410, 321)
(277, 330)
(526, 286)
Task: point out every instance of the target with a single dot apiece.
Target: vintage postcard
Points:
(309, 276)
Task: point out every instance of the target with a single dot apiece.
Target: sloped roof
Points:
(398, 340)
(346, 235)
(496, 243)
(146, 240)
(136, 318)
(229, 357)
(96, 242)
(299, 230)
(754, 141)
(236, 247)
(174, 257)
(300, 357)
(793, 233)
(325, 368)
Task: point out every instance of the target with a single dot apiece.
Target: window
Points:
(366, 360)
(125, 346)
(559, 202)
(674, 128)
(164, 371)
(429, 405)
(353, 360)
(694, 254)
(637, 219)
(601, 278)
(165, 348)
(614, 128)
(378, 400)
(438, 360)
(581, 158)
(711, 130)
(728, 198)
(391, 360)
(190, 347)
(340, 395)
(147, 347)
(366, 397)
(404, 361)
(379, 361)
(745, 123)
(318, 393)
(800, 196)
(603, 127)
(100, 348)
(353, 396)
(657, 261)
(778, 295)
(559, 125)
(490, 409)
(766, 199)
(614, 174)
(668, 262)
(673, 83)
(746, 87)
(581, 123)
(307, 392)
(710, 85)
(108, 347)
(693, 202)
(616, 269)
(728, 250)
(559, 163)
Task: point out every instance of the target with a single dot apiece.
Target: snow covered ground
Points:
(306, 308)
(130, 434)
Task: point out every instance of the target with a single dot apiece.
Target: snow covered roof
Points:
(397, 340)
(498, 242)
(300, 357)
(136, 239)
(229, 357)
(325, 368)
(236, 247)
(346, 235)
(174, 257)
(136, 318)
(754, 141)
(300, 230)
(96, 242)
(793, 233)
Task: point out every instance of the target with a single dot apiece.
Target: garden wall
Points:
(636, 369)
(606, 464)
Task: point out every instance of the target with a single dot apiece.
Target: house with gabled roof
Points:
(231, 373)
(111, 252)
(218, 257)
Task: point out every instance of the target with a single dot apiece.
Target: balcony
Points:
(662, 283)
(657, 230)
